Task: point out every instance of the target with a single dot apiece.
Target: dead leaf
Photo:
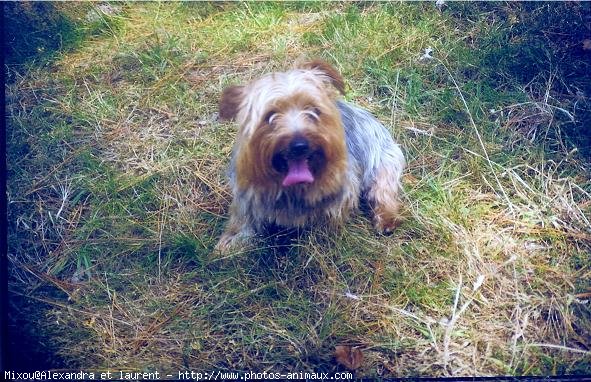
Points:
(348, 356)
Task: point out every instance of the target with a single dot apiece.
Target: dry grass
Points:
(117, 195)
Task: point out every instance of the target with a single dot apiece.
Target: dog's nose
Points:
(298, 147)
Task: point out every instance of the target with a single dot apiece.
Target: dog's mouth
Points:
(298, 171)
(297, 163)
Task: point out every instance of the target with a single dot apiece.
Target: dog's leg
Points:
(237, 233)
(383, 197)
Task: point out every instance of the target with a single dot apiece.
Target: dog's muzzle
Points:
(298, 148)
(294, 162)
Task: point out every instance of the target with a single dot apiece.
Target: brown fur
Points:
(255, 154)
(384, 202)
(335, 77)
(230, 102)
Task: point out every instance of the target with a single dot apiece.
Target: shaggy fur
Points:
(303, 157)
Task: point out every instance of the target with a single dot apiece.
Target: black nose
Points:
(298, 147)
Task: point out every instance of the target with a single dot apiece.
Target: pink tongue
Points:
(298, 172)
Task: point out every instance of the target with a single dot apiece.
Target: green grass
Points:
(117, 193)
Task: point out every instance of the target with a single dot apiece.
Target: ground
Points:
(117, 193)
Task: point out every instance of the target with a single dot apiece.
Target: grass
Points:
(117, 194)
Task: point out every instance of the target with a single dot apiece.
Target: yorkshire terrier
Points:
(303, 157)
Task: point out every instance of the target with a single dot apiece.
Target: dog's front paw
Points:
(226, 243)
(233, 240)
(387, 218)
(386, 224)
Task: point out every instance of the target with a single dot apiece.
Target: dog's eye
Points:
(270, 116)
(313, 113)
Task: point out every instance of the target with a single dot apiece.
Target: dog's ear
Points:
(329, 71)
(230, 103)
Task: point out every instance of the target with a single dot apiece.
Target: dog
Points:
(303, 157)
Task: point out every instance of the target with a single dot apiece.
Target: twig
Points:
(560, 347)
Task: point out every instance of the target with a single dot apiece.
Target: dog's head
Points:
(290, 133)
